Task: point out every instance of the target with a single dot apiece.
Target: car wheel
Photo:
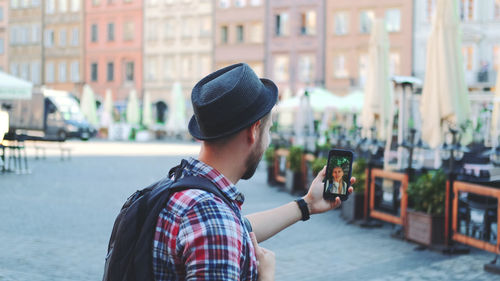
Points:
(62, 136)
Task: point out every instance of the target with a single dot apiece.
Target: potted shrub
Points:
(294, 179)
(318, 164)
(354, 207)
(269, 157)
(425, 221)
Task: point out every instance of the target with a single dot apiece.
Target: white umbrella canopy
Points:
(107, 110)
(495, 115)
(319, 100)
(378, 99)
(88, 105)
(133, 115)
(304, 121)
(177, 122)
(444, 96)
(12, 87)
(147, 111)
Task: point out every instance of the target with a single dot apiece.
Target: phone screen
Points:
(338, 174)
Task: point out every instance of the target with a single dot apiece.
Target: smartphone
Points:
(338, 174)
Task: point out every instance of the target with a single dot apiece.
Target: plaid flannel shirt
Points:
(199, 237)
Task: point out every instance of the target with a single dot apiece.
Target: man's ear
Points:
(253, 132)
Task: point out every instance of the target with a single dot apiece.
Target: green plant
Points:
(318, 164)
(269, 155)
(294, 158)
(359, 172)
(427, 194)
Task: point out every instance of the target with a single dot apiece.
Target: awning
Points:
(12, 87)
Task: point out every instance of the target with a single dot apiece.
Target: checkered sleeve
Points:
(210, 240)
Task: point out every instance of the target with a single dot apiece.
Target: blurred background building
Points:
(4, 39)
(114, 46)
(295, 42)
(239, 36)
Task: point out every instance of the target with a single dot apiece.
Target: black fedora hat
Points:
(229, 100)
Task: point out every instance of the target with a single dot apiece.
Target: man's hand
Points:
(314, 197)
(265, 261)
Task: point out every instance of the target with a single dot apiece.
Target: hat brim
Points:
(271, 96)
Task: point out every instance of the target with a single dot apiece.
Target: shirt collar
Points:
(196, 167)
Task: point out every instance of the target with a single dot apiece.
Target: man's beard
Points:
(252, 162)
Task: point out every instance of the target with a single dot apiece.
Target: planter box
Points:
(293, 181)
(270, 175)
(354, 207)
(424, 228)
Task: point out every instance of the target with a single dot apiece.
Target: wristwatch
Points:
(303, 208)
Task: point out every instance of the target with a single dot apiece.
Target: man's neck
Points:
(222, 161)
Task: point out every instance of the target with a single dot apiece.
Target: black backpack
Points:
(130, 247)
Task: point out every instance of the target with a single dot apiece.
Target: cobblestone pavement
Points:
(55, 223)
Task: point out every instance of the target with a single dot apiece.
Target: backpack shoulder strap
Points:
(195, 182)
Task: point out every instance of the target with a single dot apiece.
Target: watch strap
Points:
(303, 208)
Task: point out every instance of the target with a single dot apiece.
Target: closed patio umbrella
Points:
(378, 99)
(107, 110)
(177, 121)
(444, 96)
(133, 115)
(147, 111)
(88, 105)
(496, 114)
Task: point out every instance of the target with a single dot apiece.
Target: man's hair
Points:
(224, 140)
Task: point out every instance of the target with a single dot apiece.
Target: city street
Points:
(55, 222)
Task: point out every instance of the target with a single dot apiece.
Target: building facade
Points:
(295, 43)
(113, 47)
(239, 33)
(480, 24)
(25, 44)
(178, 46)
(4, 39)
(63, 45)
(348, 29)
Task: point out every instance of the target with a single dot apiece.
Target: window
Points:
(62, 37)
(282, 24)
(129, 71)
(1, 13)
(151, 32)
(393, 20)
(35, 3)
(75, 71)
(224, 3)
(168, 68)
(75, 5)
(281, 68)
(63, 6)
(306, 68)
(206, 26)
(110, 73)
(25, 69)
(49, 77)
(75, 36)
(341, 23)
(187, 67)
(430, 6)
(365, 21)
(93, 72)
(308, 23)
(240, 3)
(467, 10)
(95, 2)
(35, 72)
(257, 33)
(468, 53)
(14, 4)
(111, 31)
(12, 37)
(497, 10)
(128, 31)
(223, 34)
(50, 6)
(49, 38)
(94, 33)
(151, 69)
(187, 27)
(62, 72)
(339, 66)
(363, 69)
(240, 33)
(35, 33)
(169, 31)
(2, 47)
(255, 2)
(13, 68)
(394, 64)
(204, 66)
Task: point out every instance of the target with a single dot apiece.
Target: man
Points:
(198, 236)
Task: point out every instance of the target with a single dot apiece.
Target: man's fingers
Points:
(353, 180)
(322, 173)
